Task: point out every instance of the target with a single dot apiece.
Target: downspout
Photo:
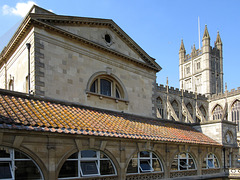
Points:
(28, 47)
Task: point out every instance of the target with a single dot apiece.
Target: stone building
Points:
(79, 100)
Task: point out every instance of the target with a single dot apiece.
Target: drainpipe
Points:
(28, 47)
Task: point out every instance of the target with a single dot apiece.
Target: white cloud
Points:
(21, 9)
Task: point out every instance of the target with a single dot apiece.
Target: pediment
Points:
(95, 30)
(92, 31)
(103, 36)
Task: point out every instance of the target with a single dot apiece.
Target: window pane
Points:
(210, 163)
(106, 167)
(26, 170)
(4, 154)
(74, 156)
(93, 87)
(88, 154)
(133, 166)
(69, 169)
(145, 165)
(183, 164)
(144, 154)
(105, 87)
(117, 93)
(19, 155)
(89, 168)
(156, 165)
(191, 164)
(103, 156)
(216, 165)
(5, 170)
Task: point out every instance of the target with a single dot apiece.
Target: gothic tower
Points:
(202, 70)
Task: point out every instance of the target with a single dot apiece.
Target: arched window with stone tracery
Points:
(190, 109)
(160, 108)
(175, 107)
(235, 113)
(217, 112)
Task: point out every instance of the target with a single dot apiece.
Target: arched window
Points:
(16, 165)
(87, 163)
(217, 112)
(190, 109)
(175, 107)
(107, 85)
(183, 161)
(160, 108)
(203, 111)
(235, 113)
(210, 161)
(144, 161)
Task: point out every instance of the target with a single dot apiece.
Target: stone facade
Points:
(94, 63)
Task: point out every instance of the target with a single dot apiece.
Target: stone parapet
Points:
(176, 91)
(227, 93)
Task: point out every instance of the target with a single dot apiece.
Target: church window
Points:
(175, 107)
(107, 86)
(87, 163)
(183, 161)
(236, 114)
(144, 161)
(203, 111)
(190, 109)
(210, 162)
(160, 108)
(15, 164)
(217, 112)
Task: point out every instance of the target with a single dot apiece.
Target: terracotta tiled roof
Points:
(19, 111)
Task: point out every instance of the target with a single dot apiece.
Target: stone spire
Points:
(218, 40)
(206, 34)
(182, 48)
(182, 53)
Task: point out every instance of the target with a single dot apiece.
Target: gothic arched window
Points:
(175, 107)
(160, 107)
(203, 111)
(217, 112)
(190, 109)
(236, 113)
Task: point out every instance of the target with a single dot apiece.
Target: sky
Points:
(157, 26)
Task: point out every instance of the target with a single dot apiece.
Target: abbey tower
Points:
(202, 70)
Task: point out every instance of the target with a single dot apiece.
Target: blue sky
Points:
(156, 25)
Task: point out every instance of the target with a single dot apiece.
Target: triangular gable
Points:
(75, 27)
(94, 29)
